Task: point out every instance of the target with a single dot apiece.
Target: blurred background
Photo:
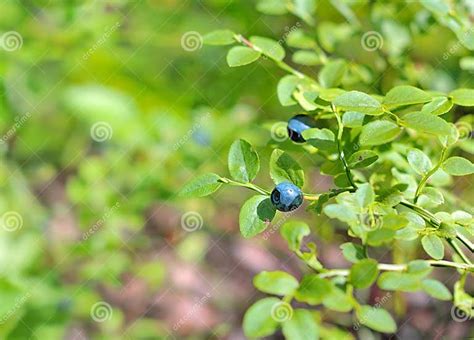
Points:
(109, 107)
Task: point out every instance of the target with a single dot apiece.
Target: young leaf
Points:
(272, 7)
(301, 326)
(201, 186)
(277, 283)
(362, 159)
(293, 232)
(376, 318)
(243, 161)
(312, 289)
(332, 73)
(463, 97)
(336, 299)
(306, 58)
(258, 321)
(438, 106)
(427, 123)
(286, 86)
(379, 132)
(433, 246)
(322, 139)
(219, 37)
(364, 273)
(353, 119)
(436, 289)
(241, 55)
(255, 214)
(358, 101)
(419, 161)
(284, 168)
(458, 166)
(364, 195)
(353, 252)
(269, 47)
(398, 281)
(405, 95)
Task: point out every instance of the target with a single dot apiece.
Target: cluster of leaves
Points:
(391, 157)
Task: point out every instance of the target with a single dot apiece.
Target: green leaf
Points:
(277, 283)
(419, 268)
(376, 318)
(272, 7)
(458, 166)
(433, 246)
(353, 119)
(302, 326)
(201, 186)
(336, 299)
(398, 281)
(364, 273)
(293, 232)
(463, 97)
(419, 162)
(427, 123)
(438, 106)
(430, 198)
(258, 321)
(312, 289)
(306, 99)
(362, 159)
(306, 58)
(255, 214)
(332, 73)
(269, 47)
(364, 195)
(405, 95)
(436, 289)
(353, 252)
(286, 86)
(379, 132)
(394, 222)
(241, 55)
(341, 212)
(219, 37)
(379, 236)
(284, 168)
(323, 139)
(358, 101)
(243, 161)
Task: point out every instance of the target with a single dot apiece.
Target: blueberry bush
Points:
(395, 137)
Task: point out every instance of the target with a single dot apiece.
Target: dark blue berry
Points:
(286, 197)
(297, 125)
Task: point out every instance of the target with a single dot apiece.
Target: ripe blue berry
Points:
(286, 197)
(297, 125)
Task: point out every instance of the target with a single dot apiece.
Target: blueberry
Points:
(297, 125)
(286, 197)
